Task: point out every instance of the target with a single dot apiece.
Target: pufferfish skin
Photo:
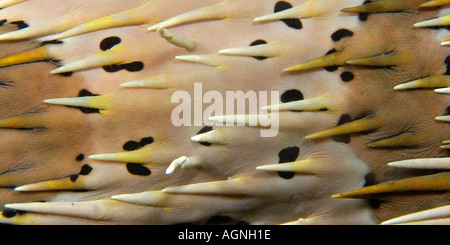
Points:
(359, 88)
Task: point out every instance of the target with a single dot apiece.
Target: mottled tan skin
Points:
(407, 110)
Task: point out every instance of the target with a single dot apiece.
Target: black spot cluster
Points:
(109, 43)
(292, 95)
(85, 170)
(86, 93)
(370, 180)
(292, 23)
(135, 168)
(12, 213)
(343, 138)
(256, 43)
(20, 24)
(287, 155)
(345, 118)
(331, 68)
(134, 145)
(364, 16)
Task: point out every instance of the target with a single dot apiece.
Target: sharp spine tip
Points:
(435, 3)
(442, 90)
(443, 118)
(440, 21)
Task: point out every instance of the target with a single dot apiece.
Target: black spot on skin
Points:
(291, 95)
(438, 27)
(134, 145)
(447, 111)
(2, 22)
(331, 68)
(8, 214)
(109, 43)
(51, 42)
(256, 43)
(86, 170)
(66, 74)
(292, 23)
(343, 138)
(332, 51)
(375, 203)
(340, 34)
(86, 93)
(370, 179)
(74, 177)
(138, 169)
(447, 63)
(134, 67)
(205, 130)
(347, 76)
(147, 141)
(131, 146)
(131, 67)
(80, 158)
(20, 24)
(289, 154)
(363, 16)
(112, 68)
